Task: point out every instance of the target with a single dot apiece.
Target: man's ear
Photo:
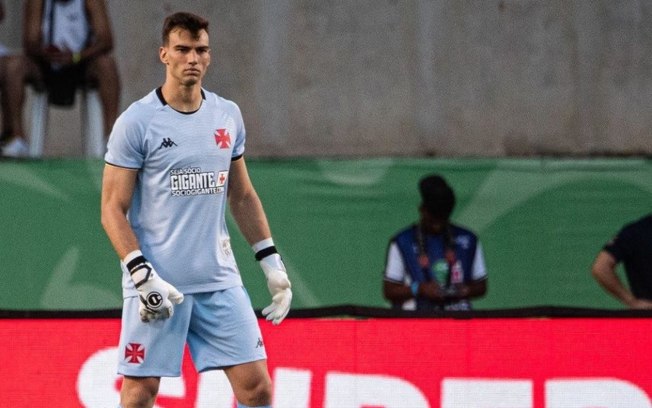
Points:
(163, 55)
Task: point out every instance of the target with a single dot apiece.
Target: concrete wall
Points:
(387, 77)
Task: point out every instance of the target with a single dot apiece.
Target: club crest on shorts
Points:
(134, 353)
(222, 138)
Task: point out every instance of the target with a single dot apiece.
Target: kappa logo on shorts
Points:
(260, 343)
(134, 353)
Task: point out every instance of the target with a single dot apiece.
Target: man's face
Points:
(185, 57)
(430, 223)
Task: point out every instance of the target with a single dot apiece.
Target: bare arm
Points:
(32, 16)
(248, 213)
(32, 36)
(396, 292)
(245, 206)
(472, 290)
(157, 297)
(117, 188)
(604, 271)
(399, 293)
(101, 27)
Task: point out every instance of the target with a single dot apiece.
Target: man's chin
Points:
(191, 82)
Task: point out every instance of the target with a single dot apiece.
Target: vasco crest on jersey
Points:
(222, 138)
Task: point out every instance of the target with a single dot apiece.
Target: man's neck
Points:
(433, 227)
(182, 98)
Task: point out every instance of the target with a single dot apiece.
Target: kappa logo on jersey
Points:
(134, 353)
(192, 181)
(167, 142)
(222, 138)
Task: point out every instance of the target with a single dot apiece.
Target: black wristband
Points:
(265, 252)
(135, 262)
(136, 265)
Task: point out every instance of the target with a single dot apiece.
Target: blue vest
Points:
(455, 269)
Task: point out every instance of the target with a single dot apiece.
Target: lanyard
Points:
(442, 268)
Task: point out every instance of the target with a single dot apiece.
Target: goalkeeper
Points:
(174, 159)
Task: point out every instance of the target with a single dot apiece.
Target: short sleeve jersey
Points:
(178, 206)
(633, 247)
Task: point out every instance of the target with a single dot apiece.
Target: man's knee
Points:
(19, 68)
(139, 392)
(258, 396)
(256, 393)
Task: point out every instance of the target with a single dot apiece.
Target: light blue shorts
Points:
(220, 327)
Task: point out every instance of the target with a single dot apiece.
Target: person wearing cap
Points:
(434, 264)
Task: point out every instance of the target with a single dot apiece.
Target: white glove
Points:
(156, 295)
(279, 287)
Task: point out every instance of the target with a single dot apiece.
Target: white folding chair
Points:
(91, 123)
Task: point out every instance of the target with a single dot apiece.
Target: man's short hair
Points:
(438, 198)
(187, 21)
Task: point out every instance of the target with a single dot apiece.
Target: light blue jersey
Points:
(177, 210)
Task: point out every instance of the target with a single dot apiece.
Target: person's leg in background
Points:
(6, 124)
(103, 73)
(18, 70)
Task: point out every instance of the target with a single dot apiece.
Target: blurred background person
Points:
(4, 52)
(3, 49)
(434, 264)
(67, 45)
(632, 246)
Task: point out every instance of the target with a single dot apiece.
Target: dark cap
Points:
(437, 196)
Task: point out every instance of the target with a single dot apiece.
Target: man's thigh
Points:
(224, 330)
(155, 348)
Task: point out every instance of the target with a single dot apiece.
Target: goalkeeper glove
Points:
(156, 295)
(278, 284)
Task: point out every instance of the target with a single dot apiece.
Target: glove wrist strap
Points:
(139, 269)
(264, 248)
(265, 252)
(131, 255)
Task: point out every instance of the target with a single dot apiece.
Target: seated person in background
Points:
(434, 265)
(633, 247)
(3, 49)
(4, 53)
(67, 44)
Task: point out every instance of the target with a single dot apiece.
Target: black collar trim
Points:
(159, 94)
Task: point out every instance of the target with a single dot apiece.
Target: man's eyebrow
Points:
(199, 47)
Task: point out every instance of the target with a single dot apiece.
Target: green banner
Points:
(541, 222)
